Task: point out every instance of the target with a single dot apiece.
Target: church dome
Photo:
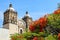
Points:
(26, 15)
(11, 8)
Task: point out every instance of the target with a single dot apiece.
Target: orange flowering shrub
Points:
(36, 28)
(43, 20)
(32, 28)
(35, 38)
(12, 38)
(58, 36)
(57, 11)
(38, 24)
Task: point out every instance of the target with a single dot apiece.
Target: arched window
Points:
(21, 30)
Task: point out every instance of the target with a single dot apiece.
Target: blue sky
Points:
(36, 8)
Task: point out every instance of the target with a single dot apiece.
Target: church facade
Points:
(12, 23)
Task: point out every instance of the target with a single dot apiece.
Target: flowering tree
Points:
(37, 27)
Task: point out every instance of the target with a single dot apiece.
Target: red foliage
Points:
(58, 36)
(57, 11)
(12, 38)
(32, 28)
(36, 22)
(35, 38)
(41, 30)
(41, 23)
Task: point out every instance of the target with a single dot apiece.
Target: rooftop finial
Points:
(27, 15)
(10, 5)
(58, 5)
(26, 12)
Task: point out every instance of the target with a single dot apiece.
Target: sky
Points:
(35, 8)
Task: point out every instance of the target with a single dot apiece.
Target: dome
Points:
(11, 8)
(27, 15)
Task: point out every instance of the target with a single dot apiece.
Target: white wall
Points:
(13, 28)
(4, 34)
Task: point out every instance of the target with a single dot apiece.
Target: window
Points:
(20, 31)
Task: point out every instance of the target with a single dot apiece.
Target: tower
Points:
(27, 20)
(10, 20)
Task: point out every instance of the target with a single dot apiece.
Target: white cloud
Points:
(4, 34)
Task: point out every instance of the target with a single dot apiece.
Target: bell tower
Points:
(27, 20)
(10, 20)
(10, 16)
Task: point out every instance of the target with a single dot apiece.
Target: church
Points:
(13, 24)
